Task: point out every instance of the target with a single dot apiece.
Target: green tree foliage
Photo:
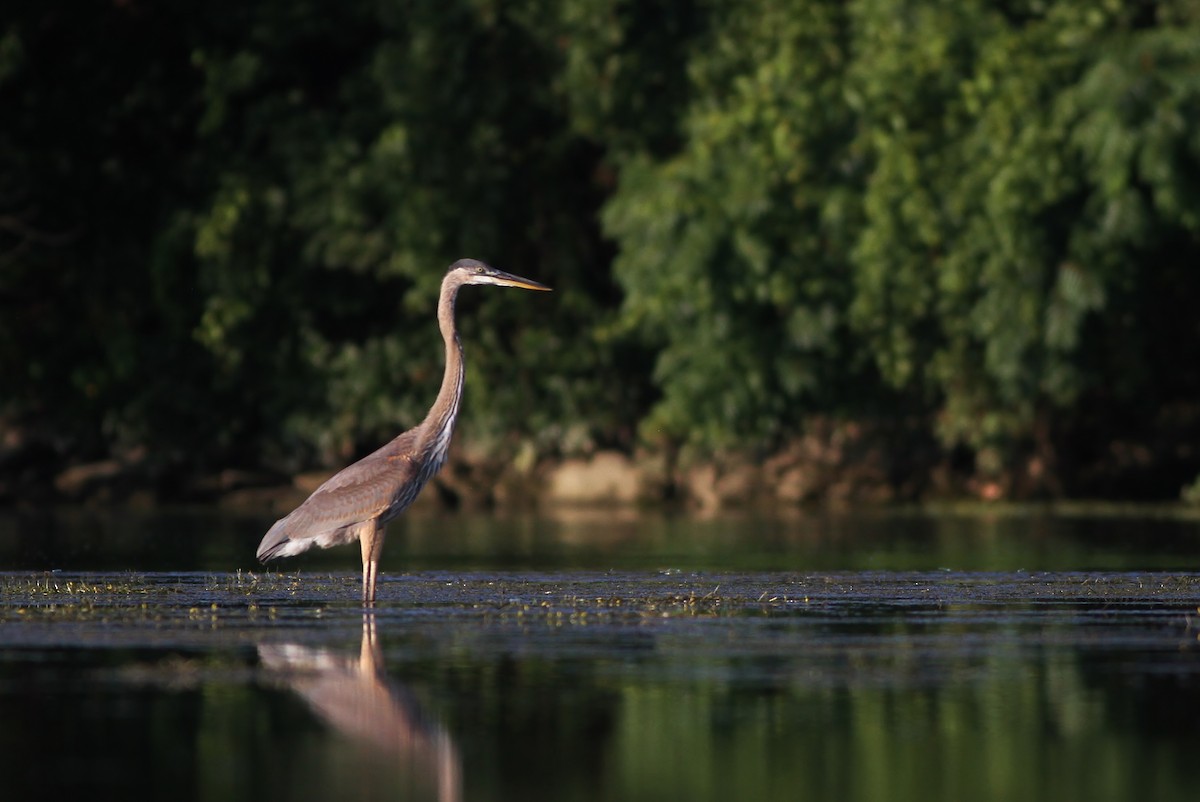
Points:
(95, 157)
(253, 211)
(981, 211)
(222, 227)
(733, 251)
(439, 133)
(1006, 213)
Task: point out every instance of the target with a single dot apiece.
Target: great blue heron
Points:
(358, 502)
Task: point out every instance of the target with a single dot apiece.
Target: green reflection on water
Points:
(1048, 734)
(978, 538)
(864, 673)
(1003, 739)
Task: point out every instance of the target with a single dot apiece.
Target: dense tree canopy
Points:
(222, 227)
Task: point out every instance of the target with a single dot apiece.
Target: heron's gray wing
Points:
(389, 456)
(358, 494)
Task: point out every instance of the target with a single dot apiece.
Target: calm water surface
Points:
(1006, 655)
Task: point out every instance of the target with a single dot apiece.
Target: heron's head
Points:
(470, 271)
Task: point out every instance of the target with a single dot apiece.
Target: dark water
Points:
(1011, 654)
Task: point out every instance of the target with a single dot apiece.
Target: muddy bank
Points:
(833, 464)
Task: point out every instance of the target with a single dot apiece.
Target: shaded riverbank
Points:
(842, 465)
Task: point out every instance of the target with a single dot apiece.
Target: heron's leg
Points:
(367, 540)
(371, 540)
(366, 579)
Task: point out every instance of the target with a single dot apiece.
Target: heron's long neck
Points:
(439, 423)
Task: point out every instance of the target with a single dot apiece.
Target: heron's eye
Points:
(479, 270)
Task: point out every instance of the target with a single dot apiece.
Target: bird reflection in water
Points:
(356, 698)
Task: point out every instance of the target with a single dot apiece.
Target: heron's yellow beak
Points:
(502, 279)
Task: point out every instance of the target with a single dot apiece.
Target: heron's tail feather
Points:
(298, 532)
(278, 543)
